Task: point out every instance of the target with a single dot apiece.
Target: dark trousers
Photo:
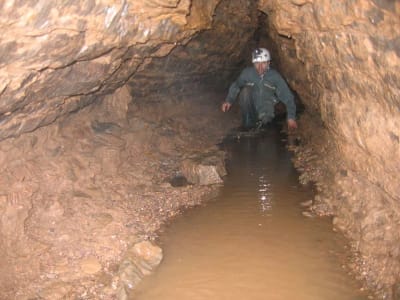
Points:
(253, 116)
(249, 113)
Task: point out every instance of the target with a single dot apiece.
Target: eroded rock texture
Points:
(60, 56)
(343, 59)
(83, 174)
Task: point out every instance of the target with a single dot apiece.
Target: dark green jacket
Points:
(266, 91)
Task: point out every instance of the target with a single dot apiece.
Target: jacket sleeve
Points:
(235, 87)
(286, 96)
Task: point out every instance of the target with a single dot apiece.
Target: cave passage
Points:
(252, 240)
(103, 102)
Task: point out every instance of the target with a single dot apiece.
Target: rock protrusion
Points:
(204, 169)
(139, 261)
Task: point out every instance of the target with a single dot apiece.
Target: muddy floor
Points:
(76, 195)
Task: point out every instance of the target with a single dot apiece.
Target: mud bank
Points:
(78, 194)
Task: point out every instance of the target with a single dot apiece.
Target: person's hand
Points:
(225, 106)
(292, 124)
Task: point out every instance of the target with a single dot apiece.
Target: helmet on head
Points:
(260, 55)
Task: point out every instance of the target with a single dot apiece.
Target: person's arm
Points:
(286, 96)
(234, 90)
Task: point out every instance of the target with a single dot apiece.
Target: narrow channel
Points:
(252, 241)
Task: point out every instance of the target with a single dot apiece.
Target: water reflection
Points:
(252, 242)
(265, 195)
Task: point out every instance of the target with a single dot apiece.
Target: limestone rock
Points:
(113, 108)
(148, 252)
(90, 265)
(140, 260)
(204, 169)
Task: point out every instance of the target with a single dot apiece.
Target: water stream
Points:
(252, 241)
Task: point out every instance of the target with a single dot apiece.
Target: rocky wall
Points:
(343, 59)
(58, 57)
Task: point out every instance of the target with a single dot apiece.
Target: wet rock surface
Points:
(138, 262)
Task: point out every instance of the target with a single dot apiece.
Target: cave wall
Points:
(343, 59)
(58, 57)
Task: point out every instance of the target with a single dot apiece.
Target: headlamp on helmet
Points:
(260, 55)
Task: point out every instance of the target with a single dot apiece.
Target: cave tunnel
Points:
(101, 101)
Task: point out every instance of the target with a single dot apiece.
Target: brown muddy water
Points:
(252, 241)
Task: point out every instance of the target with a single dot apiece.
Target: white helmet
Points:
(260, 55)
